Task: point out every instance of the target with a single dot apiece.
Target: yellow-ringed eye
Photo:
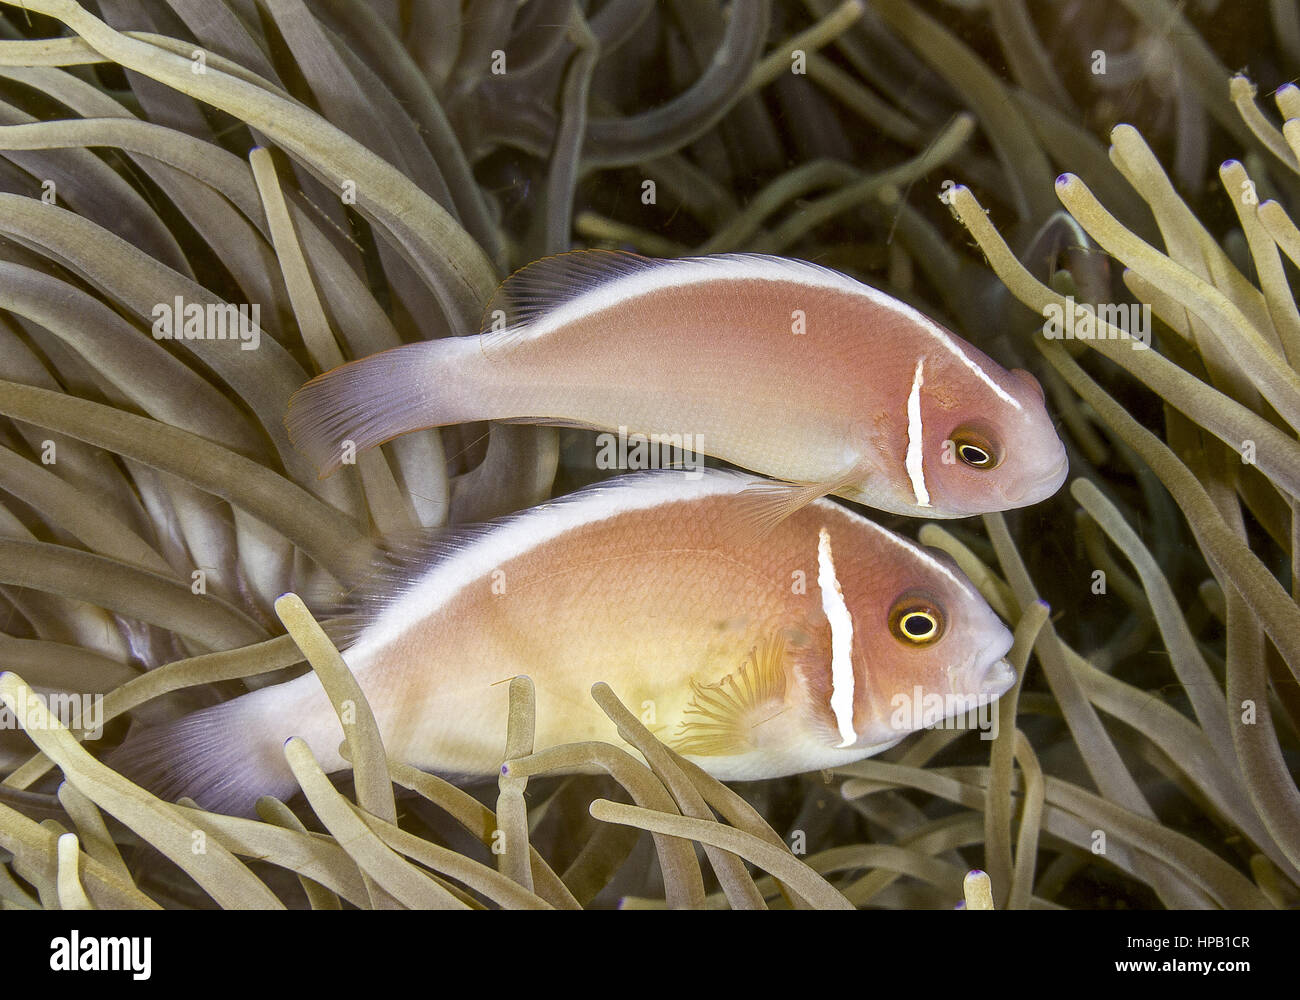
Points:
(973, 449)
(919, 626)
(915, 621)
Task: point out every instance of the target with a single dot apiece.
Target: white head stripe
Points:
(915, 461)
(837, 613)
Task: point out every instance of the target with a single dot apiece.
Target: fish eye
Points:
(916, 621)
(974, 449)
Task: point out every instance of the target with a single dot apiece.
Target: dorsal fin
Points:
(540, 289)
(399, 562)
(545, 285)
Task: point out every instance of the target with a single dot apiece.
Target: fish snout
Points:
(987, 673)
(1025, 490)
(998, 679)
(983, 679)
(1056, 478)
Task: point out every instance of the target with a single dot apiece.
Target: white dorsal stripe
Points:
(442, 581)
(915, 460)
(913, 550)
(749, 267)
(837, 613)
(531, 529)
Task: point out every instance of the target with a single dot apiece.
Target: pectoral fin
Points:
(723, 717)
(765, 504)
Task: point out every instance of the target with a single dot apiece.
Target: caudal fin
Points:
(213, 756)
(364, 403)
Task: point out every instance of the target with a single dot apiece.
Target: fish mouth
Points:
(1059, 474)
(983, 680)
(1040, 489)
(988, 674)
(998, 679)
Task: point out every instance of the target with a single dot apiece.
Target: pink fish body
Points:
(806, 651)
(778, 366)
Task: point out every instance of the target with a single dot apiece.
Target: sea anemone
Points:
(366, 173)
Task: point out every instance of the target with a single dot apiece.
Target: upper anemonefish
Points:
(804, 652)
(779, 366)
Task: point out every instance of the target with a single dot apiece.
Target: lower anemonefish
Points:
(754, 660)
